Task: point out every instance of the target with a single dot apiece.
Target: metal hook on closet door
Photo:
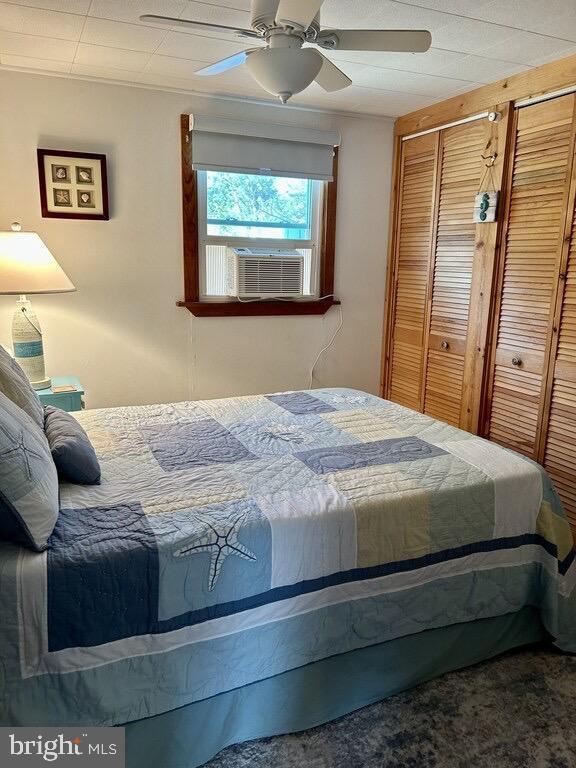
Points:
(491, 159)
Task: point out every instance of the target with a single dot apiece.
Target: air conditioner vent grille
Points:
(260, 274)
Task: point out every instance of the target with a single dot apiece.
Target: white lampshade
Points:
(27, 266)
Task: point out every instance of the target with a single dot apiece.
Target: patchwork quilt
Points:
(232, 540)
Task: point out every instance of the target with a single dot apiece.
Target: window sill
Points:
(257, 308)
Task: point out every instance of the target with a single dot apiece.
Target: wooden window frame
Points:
(233, 308)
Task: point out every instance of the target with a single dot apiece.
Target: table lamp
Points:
(27, 266)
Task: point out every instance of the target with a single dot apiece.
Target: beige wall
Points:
(121, 332)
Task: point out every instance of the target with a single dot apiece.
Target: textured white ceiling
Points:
(474, 42)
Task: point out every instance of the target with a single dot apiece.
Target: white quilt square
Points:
(313, 534)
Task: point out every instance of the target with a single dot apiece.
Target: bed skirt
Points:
(317, 693)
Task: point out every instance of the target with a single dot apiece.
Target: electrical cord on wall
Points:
(326, 348)
(332, 339)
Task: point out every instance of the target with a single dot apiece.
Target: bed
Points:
(256, 565)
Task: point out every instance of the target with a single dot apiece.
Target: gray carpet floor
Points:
(517, 711)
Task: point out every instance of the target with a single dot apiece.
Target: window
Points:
(240, 209)
(223, 208)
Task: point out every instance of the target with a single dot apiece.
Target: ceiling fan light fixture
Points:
(284, 71)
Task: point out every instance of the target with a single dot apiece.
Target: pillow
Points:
(15, 385)
(29, 503)
(71, 448)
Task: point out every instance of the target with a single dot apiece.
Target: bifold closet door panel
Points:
(411, 268)
(461, 171)
(560, 439)
(537, 189)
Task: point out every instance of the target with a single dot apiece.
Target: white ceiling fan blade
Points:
(225, 64)
(168, 21)
(394, 40)
(331, 78)
(297, 13)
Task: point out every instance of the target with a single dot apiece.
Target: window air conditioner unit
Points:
(264, 273)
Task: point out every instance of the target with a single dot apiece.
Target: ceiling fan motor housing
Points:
(264, 18)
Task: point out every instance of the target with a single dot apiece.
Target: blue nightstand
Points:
(67, 401)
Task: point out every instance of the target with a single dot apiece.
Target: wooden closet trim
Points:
(499, 265)
(504, 220)
(534, 82)
(558, 300)
(484, 281)
(390, 296)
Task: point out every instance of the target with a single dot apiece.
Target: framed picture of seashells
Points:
(73, 185)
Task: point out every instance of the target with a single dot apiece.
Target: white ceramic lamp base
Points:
(27, 342)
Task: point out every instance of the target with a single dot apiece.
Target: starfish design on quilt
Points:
(220, 539)
(18, 442)
(348, 399)
(290, 433)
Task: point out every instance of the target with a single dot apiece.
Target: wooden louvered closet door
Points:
(461, 169)
(537, 192)
(558, 452)
(411, 268)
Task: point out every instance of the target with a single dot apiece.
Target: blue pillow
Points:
(29, 502)
(72, 451)
(15, 385)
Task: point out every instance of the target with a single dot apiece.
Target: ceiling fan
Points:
(284, 67)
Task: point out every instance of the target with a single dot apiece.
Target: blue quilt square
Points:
(392, 451)
(197, 444)
(102, 576)
(211, 555)
(288, 433)
(342, 399)
(300, 402)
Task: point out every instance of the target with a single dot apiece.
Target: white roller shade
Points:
(234, 146)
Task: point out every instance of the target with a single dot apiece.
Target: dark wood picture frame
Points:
(233, 308)
(79, 156)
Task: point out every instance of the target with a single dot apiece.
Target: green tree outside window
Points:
(246, 205)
